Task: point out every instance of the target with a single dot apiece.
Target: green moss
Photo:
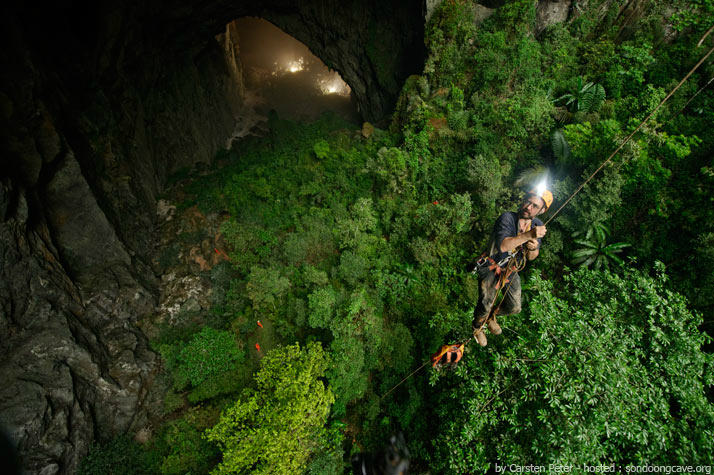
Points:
(120, 456)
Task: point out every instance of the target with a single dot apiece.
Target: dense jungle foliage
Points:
(355, 253)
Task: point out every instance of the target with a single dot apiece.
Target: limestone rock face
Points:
(550, 12)
(73, 366)
(86, 144)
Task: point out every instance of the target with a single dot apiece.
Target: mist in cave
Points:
(281, 74)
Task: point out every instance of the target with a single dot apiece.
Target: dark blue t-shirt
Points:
(507, 226)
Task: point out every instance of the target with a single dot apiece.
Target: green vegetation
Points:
(276, 427)
(184, 445)
(585, 97)
(210, 364)
(120, 456)
(354, 252)
(596, 250)
(606, 369)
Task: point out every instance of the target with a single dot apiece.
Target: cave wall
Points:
(99, 103)
(87, 143)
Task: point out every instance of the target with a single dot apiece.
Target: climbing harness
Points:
(450, 355)
(454, 355)
(485, 261)
(513, 266)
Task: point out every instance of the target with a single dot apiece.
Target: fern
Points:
(585, 97)
(595, 249)
(561, 150)
(592, 98)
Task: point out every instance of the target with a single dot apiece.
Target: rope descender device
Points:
(448, 355)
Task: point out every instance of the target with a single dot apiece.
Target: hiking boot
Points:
(494, 327)
(480, 337)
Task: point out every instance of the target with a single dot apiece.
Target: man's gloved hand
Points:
(537, 232)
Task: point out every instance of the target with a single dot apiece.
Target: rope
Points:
(407, 377)
(691, 99)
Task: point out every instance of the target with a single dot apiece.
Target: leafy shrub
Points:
(322, 307)
(277, 426)
(172, 402)
(485, 179)
(321, 149)
(208, 363)
(606, 369)
(189, 450)
(120, 456)
(390, 167)
(265, 288)
(591, 143)
(311, 243)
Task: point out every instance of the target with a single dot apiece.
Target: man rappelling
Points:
(516, 238)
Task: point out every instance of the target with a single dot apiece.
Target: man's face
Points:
(531, 207)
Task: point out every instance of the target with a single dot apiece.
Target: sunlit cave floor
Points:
(289, 99)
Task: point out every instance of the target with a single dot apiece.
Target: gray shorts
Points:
(487, 280)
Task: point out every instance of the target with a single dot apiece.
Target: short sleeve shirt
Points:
(506, 226)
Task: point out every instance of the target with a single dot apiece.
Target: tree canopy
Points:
(603, 368)
(275, 427)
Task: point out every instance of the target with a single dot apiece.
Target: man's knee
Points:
(510, 306)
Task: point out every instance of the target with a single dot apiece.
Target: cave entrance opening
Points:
(280, 73)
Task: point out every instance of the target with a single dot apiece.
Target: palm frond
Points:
(587, 244)
(592, 98)
(530, 176)
(616, 247)
(561, 150)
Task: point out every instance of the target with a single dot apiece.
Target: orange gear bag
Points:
(448, 354)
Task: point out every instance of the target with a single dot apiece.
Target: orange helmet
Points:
(543, 194)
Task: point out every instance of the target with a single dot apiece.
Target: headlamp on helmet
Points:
(543, 193)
